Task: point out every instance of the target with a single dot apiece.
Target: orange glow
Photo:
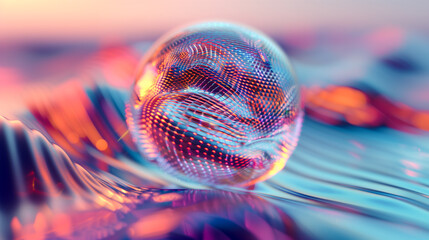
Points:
(421, 120)
(337, 99)
(347, 97)
(167, 197)
(362, 116)
(72, 130)
(335, 104)
(156, 224)
(145, 82)
(101, 144)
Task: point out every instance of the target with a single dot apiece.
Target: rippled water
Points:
(81, 177)
(364, 184)
(341, 182)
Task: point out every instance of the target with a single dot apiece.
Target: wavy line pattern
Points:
(339, 180)
(45, 195)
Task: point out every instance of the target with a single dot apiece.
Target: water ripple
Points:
(339, 180)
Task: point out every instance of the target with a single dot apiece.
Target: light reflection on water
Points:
(341, 182)
(342, 178)
(47, 196)
(371, 177)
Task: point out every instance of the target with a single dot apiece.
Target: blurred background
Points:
(47, 22)
(360, 170)
(100, 20)
(342, 42)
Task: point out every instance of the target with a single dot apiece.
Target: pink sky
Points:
(23, 20)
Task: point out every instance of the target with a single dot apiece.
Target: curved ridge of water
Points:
(338, 177)
(47, 195)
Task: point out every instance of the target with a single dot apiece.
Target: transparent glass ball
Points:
(216, 103)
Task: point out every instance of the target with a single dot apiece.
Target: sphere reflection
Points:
(217, 103)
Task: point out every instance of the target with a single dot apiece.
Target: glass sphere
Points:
(216, 103)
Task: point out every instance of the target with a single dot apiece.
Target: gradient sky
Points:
(23, 20)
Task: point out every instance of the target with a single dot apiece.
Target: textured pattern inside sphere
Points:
(217, 103)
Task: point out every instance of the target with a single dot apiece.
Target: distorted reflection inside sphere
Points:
(216, 103)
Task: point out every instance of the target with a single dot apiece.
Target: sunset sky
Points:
(51, 20)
